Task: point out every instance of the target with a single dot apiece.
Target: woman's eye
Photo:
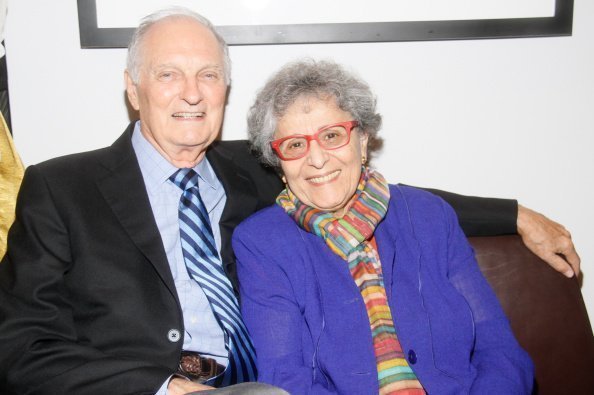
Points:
(295, 145)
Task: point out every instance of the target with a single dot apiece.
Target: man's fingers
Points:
(573, 259)
(565, 247)
(559, 264)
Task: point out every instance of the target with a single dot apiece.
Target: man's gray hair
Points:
(135, 50)
(309, 78)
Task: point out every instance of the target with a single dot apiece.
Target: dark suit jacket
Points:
(86, 294)
(87, 300)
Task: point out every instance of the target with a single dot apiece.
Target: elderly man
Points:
(119, 275)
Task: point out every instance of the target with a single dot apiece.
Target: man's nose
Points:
(191, 91)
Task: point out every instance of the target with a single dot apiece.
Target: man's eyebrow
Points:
(163, 65)
(215, 66)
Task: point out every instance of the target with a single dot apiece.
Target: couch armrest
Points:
(546, 311)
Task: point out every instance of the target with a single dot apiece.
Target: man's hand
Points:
(179, 386)
(549, 240)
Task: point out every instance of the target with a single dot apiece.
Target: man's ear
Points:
(131, 90)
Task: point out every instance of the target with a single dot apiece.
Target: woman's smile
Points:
(324, 178)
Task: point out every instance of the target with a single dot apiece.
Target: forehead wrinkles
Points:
(186, 65)
(183, 39)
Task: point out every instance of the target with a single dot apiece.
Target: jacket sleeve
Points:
(503, 367)
(272, 315)
(40, 349)
(479, 216)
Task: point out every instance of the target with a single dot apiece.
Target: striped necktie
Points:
(204, 265)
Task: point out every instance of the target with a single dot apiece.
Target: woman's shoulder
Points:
(266, 222)
(271, 213)
(270, 238)
(420, 208)
(415, 197)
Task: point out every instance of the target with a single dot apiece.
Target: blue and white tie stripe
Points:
(202, 261)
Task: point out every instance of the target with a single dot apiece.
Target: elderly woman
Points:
(351, 285)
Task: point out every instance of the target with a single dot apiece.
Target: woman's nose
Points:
(317, 156)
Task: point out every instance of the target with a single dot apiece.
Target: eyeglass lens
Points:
(330, 138)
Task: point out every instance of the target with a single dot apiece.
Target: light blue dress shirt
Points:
(202, 332)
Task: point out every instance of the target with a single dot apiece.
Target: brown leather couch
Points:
(546, 311)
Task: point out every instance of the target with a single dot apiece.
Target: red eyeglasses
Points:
(329, 137)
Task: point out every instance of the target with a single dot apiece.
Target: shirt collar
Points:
(156, 170)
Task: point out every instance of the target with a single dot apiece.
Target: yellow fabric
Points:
(11, 174)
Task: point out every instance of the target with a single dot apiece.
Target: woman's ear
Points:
(364, 139)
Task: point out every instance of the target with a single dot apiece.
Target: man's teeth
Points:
(188, 114)
(326, 178)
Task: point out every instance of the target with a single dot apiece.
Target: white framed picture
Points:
(109, 23)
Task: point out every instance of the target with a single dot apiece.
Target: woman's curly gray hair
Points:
(321, 79)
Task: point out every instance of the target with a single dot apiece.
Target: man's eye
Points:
(211, 76)
(165, 76)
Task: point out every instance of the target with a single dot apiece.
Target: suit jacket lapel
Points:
(124, 191)
(241, 201)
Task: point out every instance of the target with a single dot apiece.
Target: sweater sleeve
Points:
(272, 313)
(503, 367)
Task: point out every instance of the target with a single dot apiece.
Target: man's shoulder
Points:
(237, 149)
(239, 154)
(72, 161)
(88, 161)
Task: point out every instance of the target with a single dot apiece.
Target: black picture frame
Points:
(91, 36)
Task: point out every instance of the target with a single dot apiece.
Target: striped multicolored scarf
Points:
(351, 237)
